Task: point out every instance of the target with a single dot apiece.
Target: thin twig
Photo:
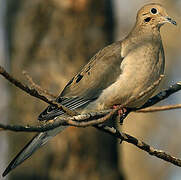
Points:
(160, 108)
(37, 87)
(33, 92)
(162, 95)
(83, 120)
(140, 144)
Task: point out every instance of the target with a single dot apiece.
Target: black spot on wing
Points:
(61, 99)
(79, 77)
(88, 69)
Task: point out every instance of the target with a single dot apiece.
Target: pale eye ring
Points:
(154, 11)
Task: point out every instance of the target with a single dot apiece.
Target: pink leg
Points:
(122, 113)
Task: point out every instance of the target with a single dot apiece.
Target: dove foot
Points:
(122, 113)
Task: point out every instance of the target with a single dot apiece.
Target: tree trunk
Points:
(52, 40)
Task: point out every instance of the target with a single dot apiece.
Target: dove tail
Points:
(38, 141)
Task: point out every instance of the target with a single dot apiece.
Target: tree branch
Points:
(97, 119)
(36, 86)
(82, 120)
(160, 108)
(162, 95)
(33, 92)
(140, 144)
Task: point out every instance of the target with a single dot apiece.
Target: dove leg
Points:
(122, 113)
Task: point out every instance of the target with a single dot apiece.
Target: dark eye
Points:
(147, 19)
(153, 11)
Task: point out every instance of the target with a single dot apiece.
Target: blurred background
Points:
(52, 40)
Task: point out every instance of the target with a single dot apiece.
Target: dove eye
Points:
(154, 11)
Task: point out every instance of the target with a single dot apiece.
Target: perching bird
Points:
(115, 74)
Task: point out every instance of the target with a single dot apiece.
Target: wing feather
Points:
(51, 112)
(85, 87)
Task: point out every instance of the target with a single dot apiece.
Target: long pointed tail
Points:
(38, 141)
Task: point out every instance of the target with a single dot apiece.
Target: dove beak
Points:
(170, 20)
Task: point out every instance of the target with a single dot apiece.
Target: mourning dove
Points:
(114, 75)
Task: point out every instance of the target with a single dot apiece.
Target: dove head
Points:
(153, 15)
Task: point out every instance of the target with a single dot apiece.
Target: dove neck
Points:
(145, 32)
(138, 36)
